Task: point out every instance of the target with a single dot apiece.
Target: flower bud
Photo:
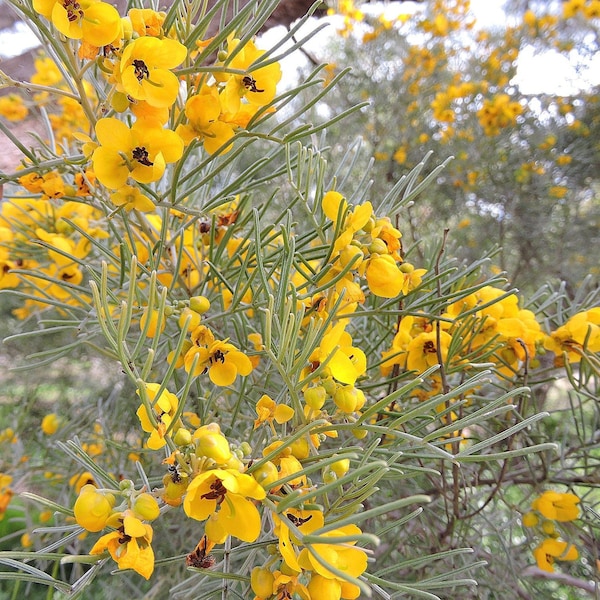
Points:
(300, 448)
(266, 475)
(315, 397)
(378, 246)
(346, 398)
(199, 304)
(261, 582)
(182, 437)
(51, 423)
(349, 253)
(212, 444)
(340, 467)
(146, 507)
(92, 508)
(192, 315)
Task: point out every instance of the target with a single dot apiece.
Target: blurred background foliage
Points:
(526, 154)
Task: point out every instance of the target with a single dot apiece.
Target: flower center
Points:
(141, 155)
(217, 491)
(140, 69)
(73, 9)
(250, 84)
(429, 347)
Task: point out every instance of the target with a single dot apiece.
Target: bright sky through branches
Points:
(537, 72)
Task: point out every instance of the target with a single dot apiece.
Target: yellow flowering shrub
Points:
(300, 397)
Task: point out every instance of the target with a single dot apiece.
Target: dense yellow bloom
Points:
(224, 497)
(6, 493)
(552, 549)
(140, 152)
(145, 70)
(129, 546)
(572, 7)
(12, 107)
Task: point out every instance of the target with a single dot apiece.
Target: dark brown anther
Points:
(141, 155)
(250, 84)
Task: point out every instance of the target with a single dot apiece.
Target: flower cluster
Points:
(488, 322)
(548, 512)
(129, 544)
(578, 337)
(497, 113)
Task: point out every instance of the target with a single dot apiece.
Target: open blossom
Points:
(552, 549)
(97, 23)
(202, 111)
(423, 351)
(164, 408)
(140, 152)
(257, 86)
(223, 498)
(223, 361)
(556, 506)
(145, 70)
(129, 546)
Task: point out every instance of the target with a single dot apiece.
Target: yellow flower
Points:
(203, 111)
(211, 443)
(146, 21)
(530, 519)
(223, 496)
(12, 107)
(223, 361)
(306, 521)
(140, 152)
(131, 198)
(581, 330)
(164, 408)
(50, 424)
(384, 278)
(97, 23)
(422, 350)
(345, 557)
(144, 70)
(261, 582)
(6, 493)
(129, 546)
(552, 549)
(345, 362)
(557, 506)
(258, 86)
(268, 411)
